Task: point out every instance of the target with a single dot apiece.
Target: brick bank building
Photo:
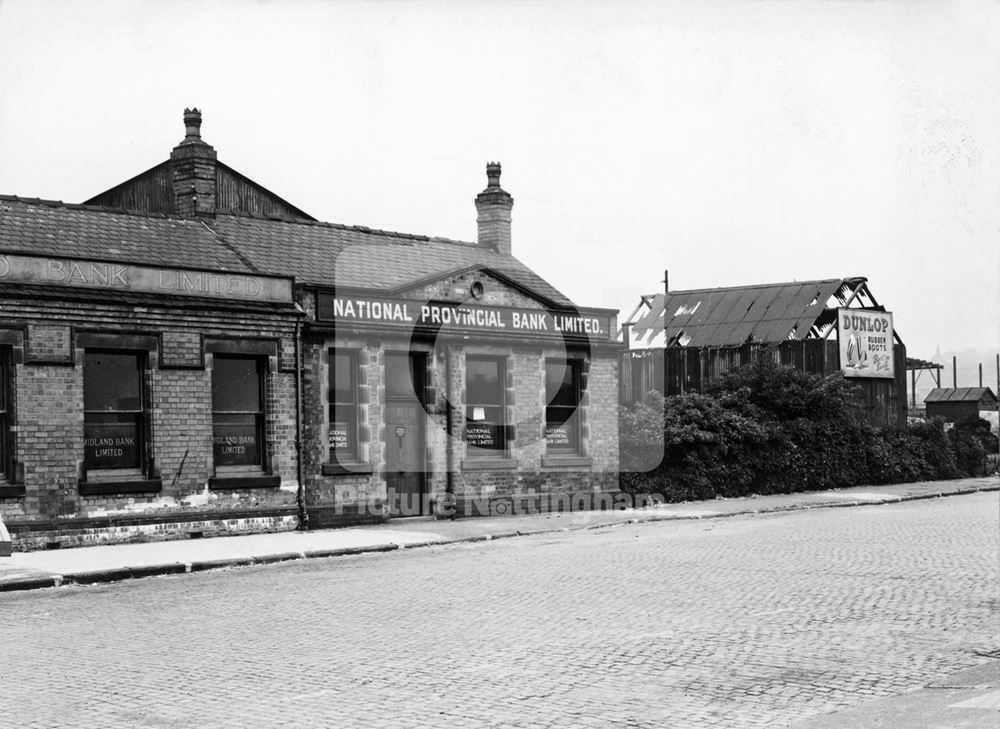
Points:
(189, 354)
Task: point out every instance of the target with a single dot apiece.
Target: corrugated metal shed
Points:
(721, 317)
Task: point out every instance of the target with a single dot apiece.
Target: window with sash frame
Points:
(343, 431)
(562, 396)
(238, 397)
(114, 417)
(485, 411)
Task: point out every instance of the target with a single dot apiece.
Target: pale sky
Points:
(731, 142)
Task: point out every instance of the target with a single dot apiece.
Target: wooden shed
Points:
(959, 404)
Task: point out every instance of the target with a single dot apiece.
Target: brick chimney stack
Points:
(493, 206)
(193, 163)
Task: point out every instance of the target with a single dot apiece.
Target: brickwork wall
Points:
(182, 349)
(136, 533)
(194, 183)
(343, 490)
(314, 416)
(49, 344)
(182, 432)
(49, 441)
(48, 389)
(281, 427)
(602, 412)
(526, 470)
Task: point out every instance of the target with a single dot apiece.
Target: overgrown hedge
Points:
(768, 428)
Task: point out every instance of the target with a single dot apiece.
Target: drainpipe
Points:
(300, 494)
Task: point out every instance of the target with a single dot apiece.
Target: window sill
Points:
(11, 491)
(231, 483)
(135, 486)
(347, 469)
(567, 461)
(489, 464)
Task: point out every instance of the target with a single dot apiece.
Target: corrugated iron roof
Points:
(961, 394)
(731, 316)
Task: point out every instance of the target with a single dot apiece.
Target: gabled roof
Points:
(152, 191)
(768, 313)
(325, 254)
(982, 395)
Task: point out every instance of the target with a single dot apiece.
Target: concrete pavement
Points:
(88, 565)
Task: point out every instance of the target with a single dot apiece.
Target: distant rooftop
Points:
(982, 395)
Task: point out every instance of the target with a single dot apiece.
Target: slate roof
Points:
(50, 228)
(962, 394)
(315, 253)
(338, 255)
(722, 317)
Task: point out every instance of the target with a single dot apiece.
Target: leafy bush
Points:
(712, 445)
(640, 429)
(769, 428)
(970, 445)
(784, 393)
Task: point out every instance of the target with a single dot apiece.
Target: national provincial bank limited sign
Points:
(444, 316)
(143, 279)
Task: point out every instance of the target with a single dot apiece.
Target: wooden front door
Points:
(404, 434)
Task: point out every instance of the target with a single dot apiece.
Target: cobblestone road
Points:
(742, 622)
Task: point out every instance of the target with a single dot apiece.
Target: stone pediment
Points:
(475, 286)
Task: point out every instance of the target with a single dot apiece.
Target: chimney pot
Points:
(192, 124)
(493, 174)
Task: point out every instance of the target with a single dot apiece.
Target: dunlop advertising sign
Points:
(433, 315)
(865, 343)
